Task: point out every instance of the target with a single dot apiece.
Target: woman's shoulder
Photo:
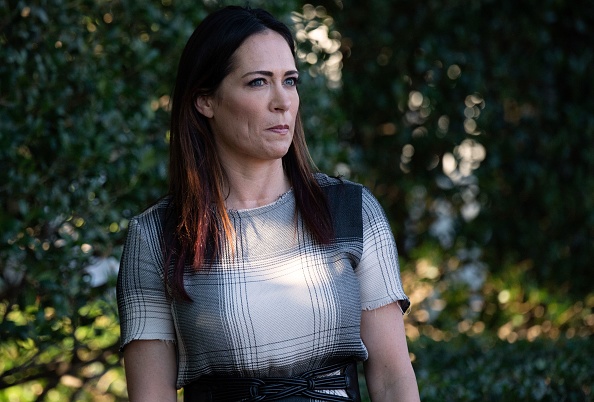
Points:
(329, 181)
(340, 187)
(155, 214)
(341, 192)
(345, 192)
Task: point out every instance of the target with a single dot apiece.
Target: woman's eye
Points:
(258, 82)
(292, 81)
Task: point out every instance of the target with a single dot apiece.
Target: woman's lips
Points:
(281, 129)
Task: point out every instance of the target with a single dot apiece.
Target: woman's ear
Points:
(204, 106)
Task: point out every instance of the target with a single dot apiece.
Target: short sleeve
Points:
(144, 308)
(378, 270)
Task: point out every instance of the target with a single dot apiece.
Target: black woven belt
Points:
(304, 387)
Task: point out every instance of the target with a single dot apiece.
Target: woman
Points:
(248, 281)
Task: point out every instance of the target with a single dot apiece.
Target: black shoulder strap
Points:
(345, 203)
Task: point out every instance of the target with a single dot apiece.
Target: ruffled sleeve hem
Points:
(403, 304)
(147, 337)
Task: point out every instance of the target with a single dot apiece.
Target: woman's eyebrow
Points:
(269, 73)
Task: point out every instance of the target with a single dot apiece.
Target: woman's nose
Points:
(281, 99)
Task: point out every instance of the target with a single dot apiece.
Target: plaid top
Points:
(282, 305)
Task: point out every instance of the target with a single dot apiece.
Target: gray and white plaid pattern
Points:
(282, 305)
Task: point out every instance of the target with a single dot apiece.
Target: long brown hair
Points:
(197, 224)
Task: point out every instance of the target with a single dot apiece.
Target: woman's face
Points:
(252, 113)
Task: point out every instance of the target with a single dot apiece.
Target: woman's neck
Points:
(255, 186)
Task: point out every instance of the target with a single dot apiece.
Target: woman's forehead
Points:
(264, 51)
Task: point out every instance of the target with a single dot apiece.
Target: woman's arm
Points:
(151, 371)
(388, 371)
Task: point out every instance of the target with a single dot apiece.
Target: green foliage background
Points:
(470, 120)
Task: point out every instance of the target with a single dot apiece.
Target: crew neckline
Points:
(284, 197)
